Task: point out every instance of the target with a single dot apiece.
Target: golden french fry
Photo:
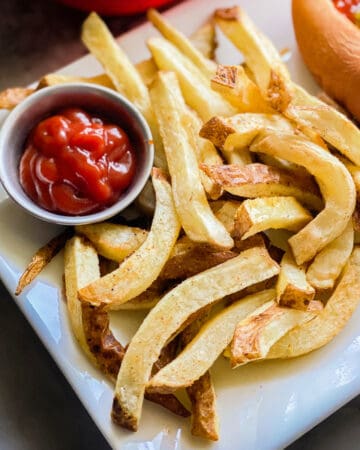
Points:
(329, 263)
(335, 183)
(147, 70)
(190, 296)
(330, 321)
(258, 180)
(52, 79)
(238, 132)
(191, 203)
(257, 333)
(204, 418)
(185, 46)
(125, 283)
(194, 85)
(333, 126)
(292, 288)
(237, 88)
(127, 80)
(260, 55)
(208, 344)
(260, 214)
(226, 213)
(81, 268)
(41, 259)
(113, 241)
(11, 97)
(204, 39)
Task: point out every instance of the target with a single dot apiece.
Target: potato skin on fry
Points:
(330, 321)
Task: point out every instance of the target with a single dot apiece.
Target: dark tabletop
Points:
(38, 409)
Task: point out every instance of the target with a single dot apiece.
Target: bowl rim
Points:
(34, 209)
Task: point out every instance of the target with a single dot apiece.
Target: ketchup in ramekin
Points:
(76, 163)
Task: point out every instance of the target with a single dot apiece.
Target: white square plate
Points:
(261, 406)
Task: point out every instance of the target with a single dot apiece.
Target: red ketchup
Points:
(348, 7)
(76, 163)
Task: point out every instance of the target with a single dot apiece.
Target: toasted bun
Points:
(330, 45)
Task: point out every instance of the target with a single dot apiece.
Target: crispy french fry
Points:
(194, 85)
(208, 344)
(260, 214)
(11, 97)
(204, 418)
(185, 46)
(292, 288)
(256, 334)
(98, 39)
(124, 283)
(328, 264)
(194, 260)
(330, 321)
(259, 53)
(237, 88)
(147, 70)
(195, 214)
(113, 241)
(226, 213)
(204, 39)
(190, 296)
(335, 183)
(238, 131)
(81, 268)
(305, 109)
(52, 79)
(41, 259)
(258, 180)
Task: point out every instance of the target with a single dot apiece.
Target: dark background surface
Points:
(38, 409)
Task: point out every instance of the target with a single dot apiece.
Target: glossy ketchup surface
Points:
(76, 163)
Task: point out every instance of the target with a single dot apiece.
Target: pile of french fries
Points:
(240, 151)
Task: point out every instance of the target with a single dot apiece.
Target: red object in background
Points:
(115, 7)
(76, 164)
(347, 7)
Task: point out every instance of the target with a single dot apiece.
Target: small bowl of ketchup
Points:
(75, 154)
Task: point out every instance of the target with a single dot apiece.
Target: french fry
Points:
(204, 418)
(190, 296)
(226, 213)
(184, 45)
(335, 183)
(52, 79)
(98, 39)
(91, 325)
(208, 344)
(147, 70)
(204, 39)
(328, 264)
(195, 214)
(333, 126)
(237, 88)
(124, 283)
(259, 180)
(113, 241)
(256, 334)
(194, 260)
(81, 268)
(11, 97)
(284, 95)
(330, 321)
(260, 214)
(194, 85)
(41, 259)
(221, 131)
(292, 288)
(260, 55)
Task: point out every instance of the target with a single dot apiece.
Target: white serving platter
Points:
(261, 406)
